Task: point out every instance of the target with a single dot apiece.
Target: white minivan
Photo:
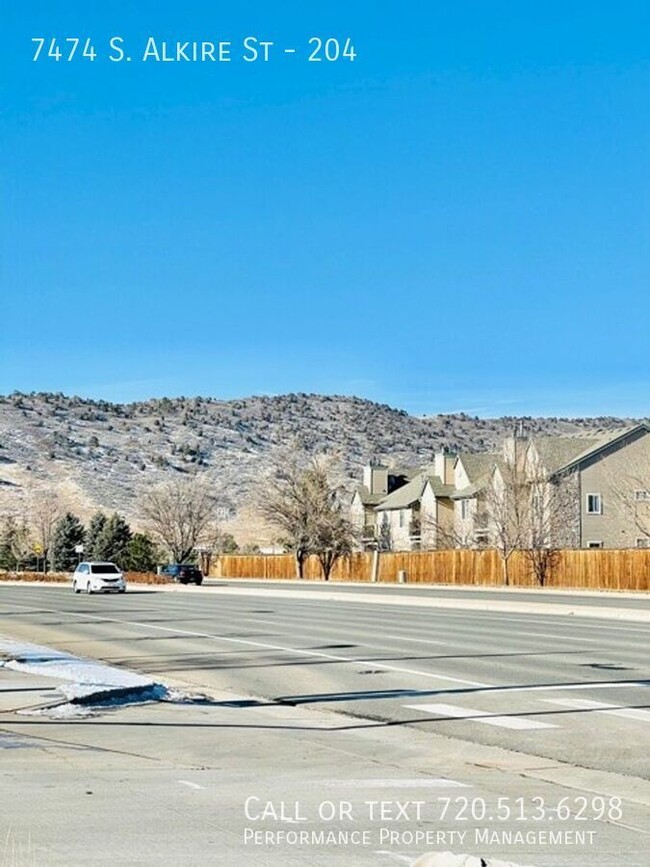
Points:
(98, 577)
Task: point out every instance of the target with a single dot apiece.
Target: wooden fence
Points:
(586, 569)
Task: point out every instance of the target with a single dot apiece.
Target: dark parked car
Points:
(184, 573)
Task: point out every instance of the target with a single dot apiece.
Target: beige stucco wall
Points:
(446, 522)
(464, 528)
(429, 519)
(436, 520)
(399, 530)
(461, 479)
(608, 475)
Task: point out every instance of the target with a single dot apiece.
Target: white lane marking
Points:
(417, 640)
(259, 620)
(515, 636)
(300, 652)
(548, 621)
(601, 707)
(368, 629)
(492, 620)
(465, 713)
(559, 638)
(265, 646)
(435, 783)
(190, 784)
(573, 610)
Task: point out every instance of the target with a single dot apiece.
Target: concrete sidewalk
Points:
(187, 784)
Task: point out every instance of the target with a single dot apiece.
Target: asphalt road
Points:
(567, 689)
(640, 601)
(453, 682)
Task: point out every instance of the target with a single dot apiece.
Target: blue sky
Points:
(458, 220)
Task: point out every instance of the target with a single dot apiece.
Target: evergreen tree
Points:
(69, 532)
(142, 554)
(224, 543)
(113, 541)
(93, 534)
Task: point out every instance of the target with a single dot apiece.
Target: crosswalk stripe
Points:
(599, 706)
(470, 715)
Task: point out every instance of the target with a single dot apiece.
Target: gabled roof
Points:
(607, 439)
(367, 498)
(478, 467)
(557, 452)
(438, 488)
(411, 493)
(477, 464)
(405, 496)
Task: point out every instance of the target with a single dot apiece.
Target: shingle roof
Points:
(469, 492)
(478, 464)
(557, 452)
(367, 498)
(602, 442)
(438, 488)
(405, 496)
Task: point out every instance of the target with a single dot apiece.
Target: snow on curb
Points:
(85, 683)
(448, 859)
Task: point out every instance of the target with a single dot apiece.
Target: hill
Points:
(99, 454)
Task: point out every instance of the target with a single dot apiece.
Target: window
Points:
(642, 496)
(401, 517)
(594, 504)
(464, 509)
(594, 544)
(643, 542)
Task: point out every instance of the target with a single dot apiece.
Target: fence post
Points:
(374, 574)
(401, 576)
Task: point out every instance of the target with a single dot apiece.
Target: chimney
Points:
(443, 465)
(375, 477)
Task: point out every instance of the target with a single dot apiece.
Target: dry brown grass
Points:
(64, 577)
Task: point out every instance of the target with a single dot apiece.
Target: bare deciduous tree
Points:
(631, 496)
(552, 506)
(443, 535)
(332, 534)
(284, 503)
(16, 540)
(181, 514)
(506, 499)
(530, 511)
(44, 512)
(301, 500)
